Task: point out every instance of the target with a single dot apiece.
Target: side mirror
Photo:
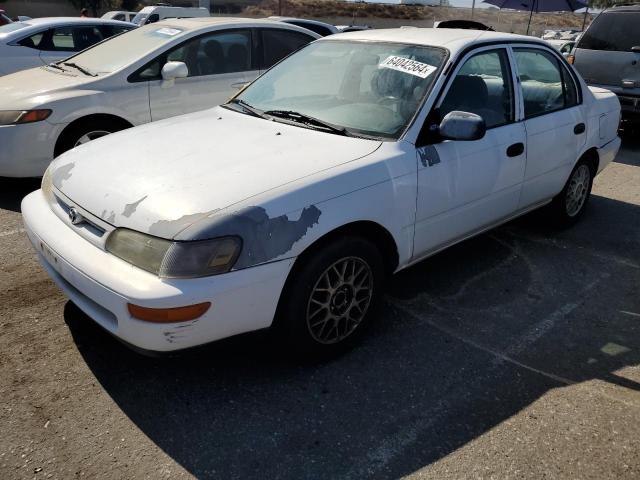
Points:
(173, 70)
(462, 126)
(636, 49)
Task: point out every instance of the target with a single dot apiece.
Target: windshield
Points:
(12, 27)
(122, 50)
(140, 18)
(613, 31)
(369, 88)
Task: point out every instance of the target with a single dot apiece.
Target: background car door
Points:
(554, 121)
(465, 186)
(219, 63)
(277, 43)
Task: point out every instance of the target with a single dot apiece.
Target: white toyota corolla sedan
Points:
(352, 159)
(157, 71)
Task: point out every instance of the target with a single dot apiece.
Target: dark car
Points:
(608, 55)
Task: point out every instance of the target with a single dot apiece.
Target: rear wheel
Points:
(331, 297)
(569, 205)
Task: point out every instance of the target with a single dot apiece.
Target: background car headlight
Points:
(14, 117)
(174, 259)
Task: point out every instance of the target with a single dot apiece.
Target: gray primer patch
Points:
(428, 155)
(62, 173)
(263, 238)
(130, 208)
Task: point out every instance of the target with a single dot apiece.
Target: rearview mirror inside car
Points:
(173, 70)
(458, 125)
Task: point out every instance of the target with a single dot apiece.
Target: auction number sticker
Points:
(406, 65)
(169, 32)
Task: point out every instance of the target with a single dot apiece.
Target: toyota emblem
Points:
(74, 216)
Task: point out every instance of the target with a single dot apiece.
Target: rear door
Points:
(554, 120)
(219, 63)
(604, 54)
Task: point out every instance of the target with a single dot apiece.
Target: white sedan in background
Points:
(40, 41)
(354, 158)
(153, 72)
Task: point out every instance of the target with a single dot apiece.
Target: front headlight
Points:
(15, 117)
(174, 259)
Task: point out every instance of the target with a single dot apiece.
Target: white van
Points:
(157, 13)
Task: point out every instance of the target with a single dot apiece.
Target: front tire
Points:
(569, 205)
(331, 297)
(85, 132)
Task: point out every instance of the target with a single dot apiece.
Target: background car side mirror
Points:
(173, 70)
(462, 126)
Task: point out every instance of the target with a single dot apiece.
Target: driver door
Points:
(467, 186)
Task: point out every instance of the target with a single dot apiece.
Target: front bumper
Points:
(26, 150)
(101, 285)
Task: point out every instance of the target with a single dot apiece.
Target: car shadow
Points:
(13, 190)
(464, 341)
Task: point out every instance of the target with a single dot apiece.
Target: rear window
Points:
(613, 31)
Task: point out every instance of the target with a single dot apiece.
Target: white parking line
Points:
(12, 232)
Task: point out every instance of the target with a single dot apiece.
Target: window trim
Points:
(559, 66)
(135, 76)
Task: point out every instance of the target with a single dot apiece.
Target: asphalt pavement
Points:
(513, 355)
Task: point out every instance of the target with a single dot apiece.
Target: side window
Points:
(225, 52)
(152, 19)
(546, 85)
(277, 44)
(34, 40)
(483, 86)
(119, 16)
(319, 29)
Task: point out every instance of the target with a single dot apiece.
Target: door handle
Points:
(515, 150)
(579, 128)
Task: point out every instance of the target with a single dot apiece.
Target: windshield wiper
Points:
(307, 120)
(79, 68)
(246, 107)
(55, 65)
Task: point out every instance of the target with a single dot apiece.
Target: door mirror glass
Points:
(173, 70)
(464, 126)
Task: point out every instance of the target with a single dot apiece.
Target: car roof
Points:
(35, 24)
(193, 23)
(451, 38)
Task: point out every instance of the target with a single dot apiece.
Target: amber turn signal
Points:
(168, 315)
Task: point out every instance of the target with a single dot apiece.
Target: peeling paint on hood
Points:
(165, 176)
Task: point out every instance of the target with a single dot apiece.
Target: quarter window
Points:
(546, 85)
(483, 86)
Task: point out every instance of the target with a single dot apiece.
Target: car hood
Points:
(172, 173)
(36, 86)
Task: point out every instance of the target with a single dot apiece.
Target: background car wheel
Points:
(569, 205)
(331, 297)
(85, 131)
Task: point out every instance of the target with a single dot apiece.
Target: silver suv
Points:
(608, 55)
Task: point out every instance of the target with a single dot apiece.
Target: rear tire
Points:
(569, 205)
(331, 298)
(86, 131)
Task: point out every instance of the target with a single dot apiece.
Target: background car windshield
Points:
(613, 31)
(124, 49)
(371, 88)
